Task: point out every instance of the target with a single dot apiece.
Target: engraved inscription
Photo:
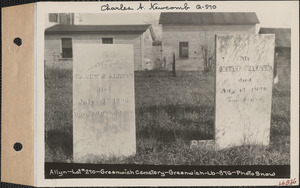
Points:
(103, 102)
(244, 77)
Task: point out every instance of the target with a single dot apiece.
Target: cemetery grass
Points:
(170, 112)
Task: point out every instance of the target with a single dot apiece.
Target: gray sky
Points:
(274, 19)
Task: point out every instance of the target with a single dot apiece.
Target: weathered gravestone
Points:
(103, 102)
(244, 79)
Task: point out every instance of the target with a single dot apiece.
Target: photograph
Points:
(149, 89)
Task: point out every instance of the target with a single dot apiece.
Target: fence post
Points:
(275, 73)
(165, 63)
(173, 66)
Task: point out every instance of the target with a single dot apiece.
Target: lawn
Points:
(170, 112)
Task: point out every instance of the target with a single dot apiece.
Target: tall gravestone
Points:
(103, 102)
(244, 79)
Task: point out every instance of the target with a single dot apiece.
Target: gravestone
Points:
(103, 102)
(244, 79)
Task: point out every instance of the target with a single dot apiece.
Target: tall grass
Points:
(170, 112)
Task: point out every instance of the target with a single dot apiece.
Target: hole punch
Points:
(18, 146)
(18, 41)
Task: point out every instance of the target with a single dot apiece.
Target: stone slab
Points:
(244, 79)
(103, 102)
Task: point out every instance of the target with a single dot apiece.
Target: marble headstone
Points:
(103, 102)
(244, 79)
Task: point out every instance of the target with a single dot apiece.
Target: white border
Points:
(35, 96)
(227, 6)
